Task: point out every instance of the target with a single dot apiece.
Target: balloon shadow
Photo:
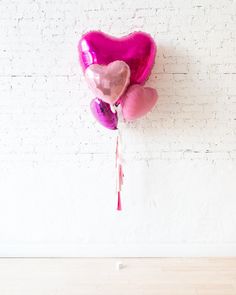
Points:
(186, 101)
(176, 78)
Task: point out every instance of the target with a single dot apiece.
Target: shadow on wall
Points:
(187, 95)
(179, 122)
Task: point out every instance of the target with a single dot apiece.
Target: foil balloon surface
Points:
(103, 113)
(138, 101)
(108, 82)
(137, 49)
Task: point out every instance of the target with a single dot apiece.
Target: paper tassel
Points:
(120, 174)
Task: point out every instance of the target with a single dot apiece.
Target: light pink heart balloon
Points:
(108, 82)
(138, 101)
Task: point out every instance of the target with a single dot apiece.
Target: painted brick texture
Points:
(57, 176)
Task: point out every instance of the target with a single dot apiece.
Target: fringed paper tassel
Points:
(120, 174)
(119, 208)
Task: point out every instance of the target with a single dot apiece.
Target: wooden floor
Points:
(146, 276)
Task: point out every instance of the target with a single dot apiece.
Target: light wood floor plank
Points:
(144, 276)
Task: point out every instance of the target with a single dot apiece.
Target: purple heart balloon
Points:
(138, 50)
(103, 113)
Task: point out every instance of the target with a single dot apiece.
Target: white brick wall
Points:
(57, 176)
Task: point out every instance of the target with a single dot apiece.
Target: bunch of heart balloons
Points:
(116, 69)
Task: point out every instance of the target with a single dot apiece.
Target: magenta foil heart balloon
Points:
(138, 50)
(103, 113)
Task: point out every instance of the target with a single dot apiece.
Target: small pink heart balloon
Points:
(138, 101)
(138, 50)
(108, 82)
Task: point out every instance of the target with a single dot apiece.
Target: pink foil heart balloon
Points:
(108, 82)
(138, 101)
(138, 50)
